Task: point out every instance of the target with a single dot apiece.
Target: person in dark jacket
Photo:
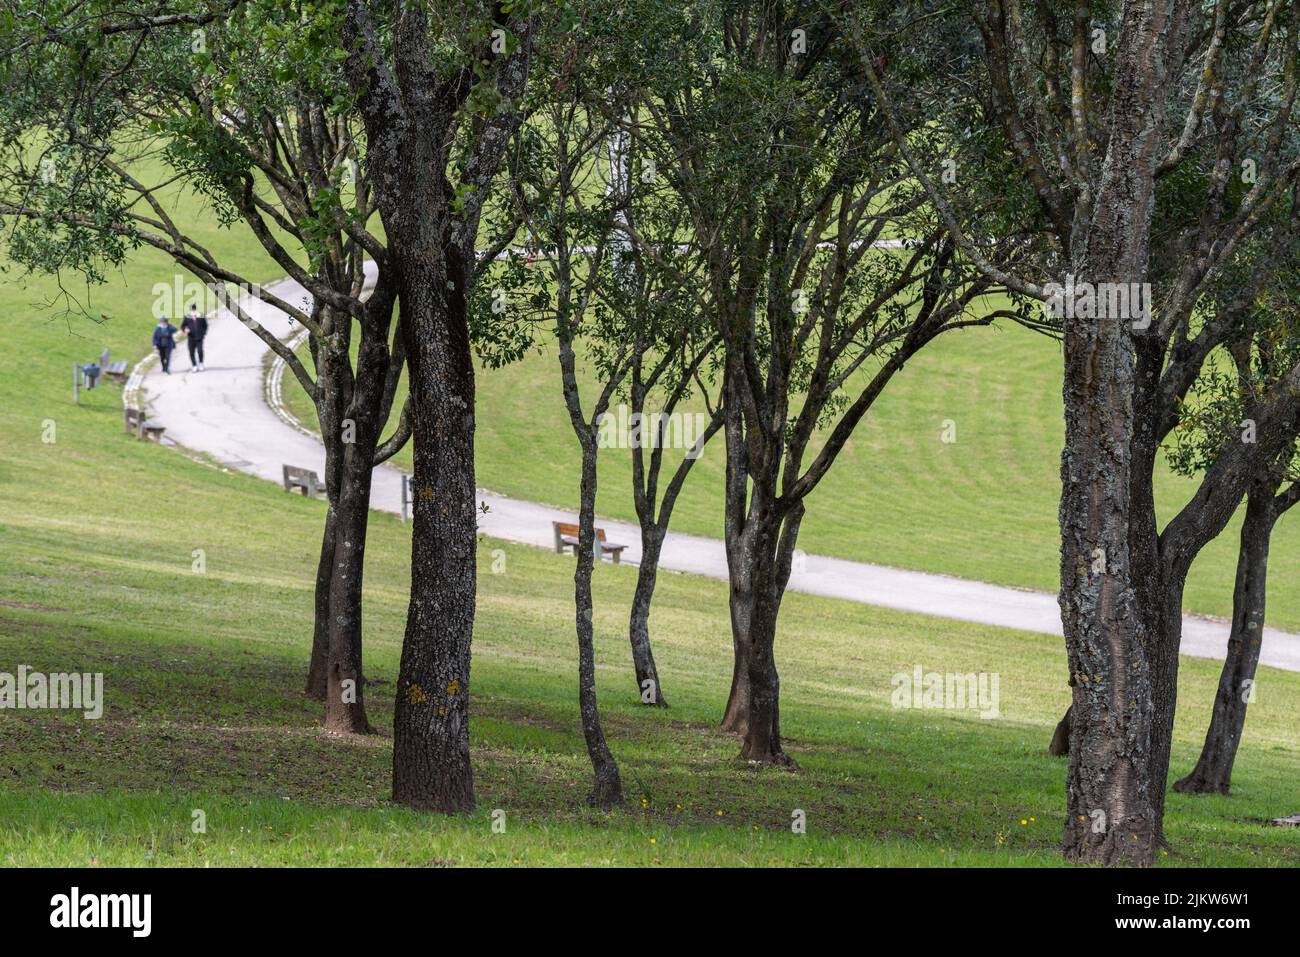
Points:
(195, 328)
(164, 340)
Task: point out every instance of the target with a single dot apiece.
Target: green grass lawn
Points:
(203, 672)
(983, 507)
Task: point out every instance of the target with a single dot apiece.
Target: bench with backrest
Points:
(305, 480)
(566, 536)
(114, 370)
(142, 427)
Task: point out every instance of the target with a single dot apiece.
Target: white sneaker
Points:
(200, 366)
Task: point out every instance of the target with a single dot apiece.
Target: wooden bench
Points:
(303, 479)
(566, 536)
(141, 427)
(408, 496)
(114, 370)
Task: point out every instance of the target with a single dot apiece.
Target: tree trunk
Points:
(345, 700)
(740, 596)
(741, 601)
(1213, 771)
(412, 109)
(759, 569)
(643, 659)
(331, 374)
(1109, 782)
(1164, 635)
(736, 717)
(431, 758)
(607, 788)
(1060, 745)
(1157, 585)
(317, 671)
(761, 743)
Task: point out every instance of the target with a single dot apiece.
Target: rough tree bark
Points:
(431, 759)
(412, 106)
(1109, 813)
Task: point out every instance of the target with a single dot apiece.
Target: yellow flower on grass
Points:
(653, 841)
(1023, 822)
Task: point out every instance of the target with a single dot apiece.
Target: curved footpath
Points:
(224, 413)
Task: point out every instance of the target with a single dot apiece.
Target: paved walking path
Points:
(224, 413)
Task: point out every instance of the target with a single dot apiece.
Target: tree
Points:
(569, 227)
(630, 321)
(245, 107)
(1225, 402)
(1164, 158)
(674, 352)
(760, 118)
(683, 361)
(437, 87)
(653, 307)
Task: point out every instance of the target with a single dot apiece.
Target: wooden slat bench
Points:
(114, 370)
(306, 480)
(141, 427)
(566, 536)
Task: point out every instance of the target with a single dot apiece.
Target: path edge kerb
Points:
(273, 384)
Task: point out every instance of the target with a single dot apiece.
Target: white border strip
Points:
(273, 391)
(132, 392)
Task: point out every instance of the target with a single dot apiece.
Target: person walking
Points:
(164, 340)
(195, 328)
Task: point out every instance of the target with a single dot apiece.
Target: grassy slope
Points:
(983, 507)
(97, 533)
